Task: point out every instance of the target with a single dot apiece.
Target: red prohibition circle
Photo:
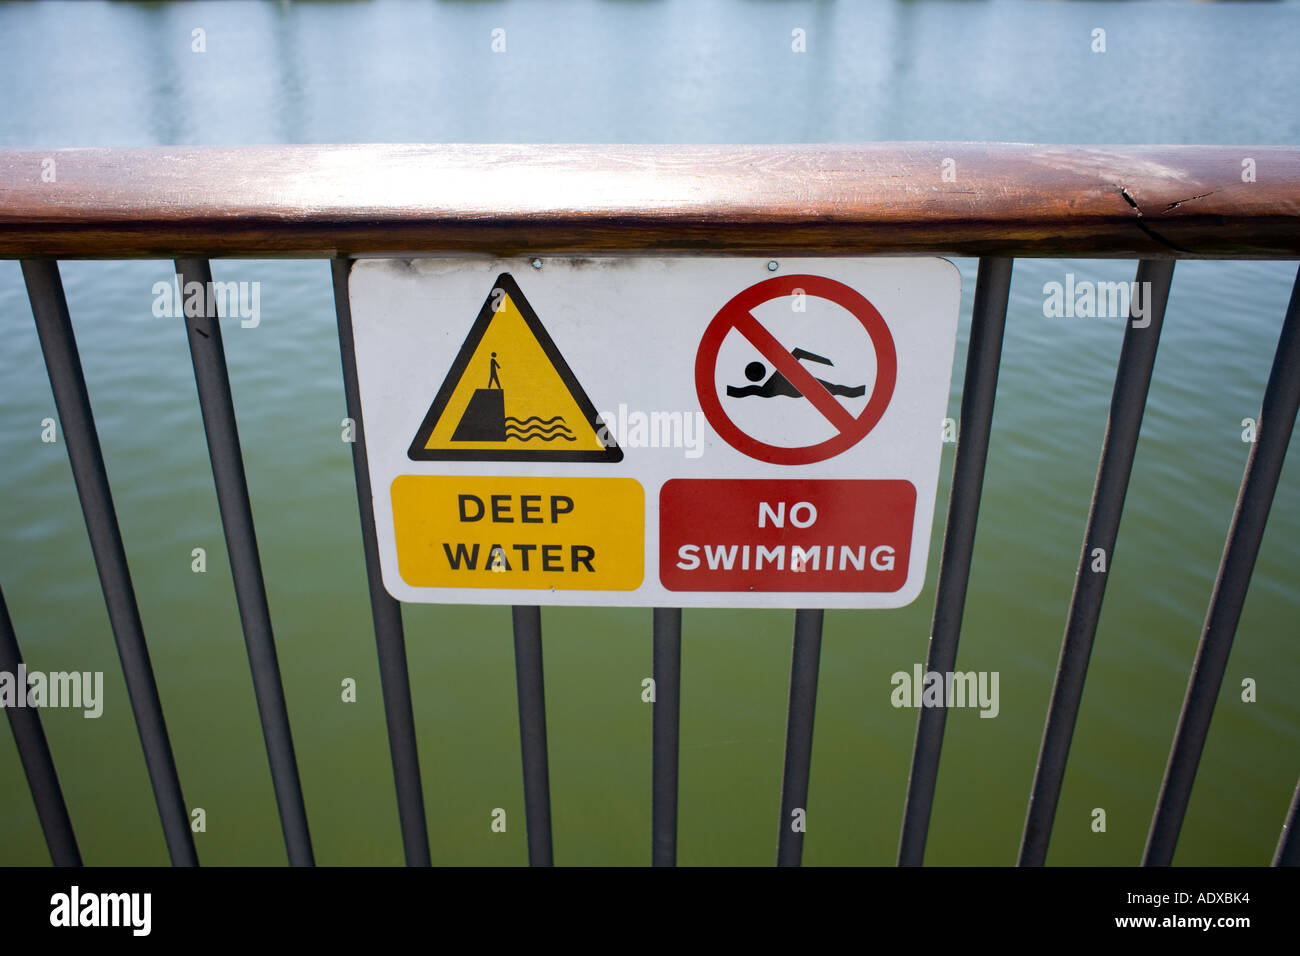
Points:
(737, 314)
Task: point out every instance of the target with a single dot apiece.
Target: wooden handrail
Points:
(893, 198)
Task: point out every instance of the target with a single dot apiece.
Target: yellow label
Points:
(569, 534)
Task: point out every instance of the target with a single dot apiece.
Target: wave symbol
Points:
(543, 429)
(510, 419)
(541, 437)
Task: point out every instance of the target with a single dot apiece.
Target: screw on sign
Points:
(789, 377)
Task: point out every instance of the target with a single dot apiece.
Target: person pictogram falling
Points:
(485, 418)
(778, 384)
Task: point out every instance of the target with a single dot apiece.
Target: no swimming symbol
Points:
(790, 377)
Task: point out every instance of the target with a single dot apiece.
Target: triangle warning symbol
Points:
(511, 396)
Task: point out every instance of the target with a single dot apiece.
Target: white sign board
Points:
(654, 432)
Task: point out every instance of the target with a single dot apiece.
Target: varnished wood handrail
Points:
(312, 201)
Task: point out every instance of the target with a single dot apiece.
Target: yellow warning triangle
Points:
(510, 396)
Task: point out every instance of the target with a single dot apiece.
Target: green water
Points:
(89, 74)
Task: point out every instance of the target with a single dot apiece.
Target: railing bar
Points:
(667, 673)
(212, 379)
(386, 612)
(1250, 516)
(532, 732)
(34, 752)
(1119, 447)
(62, 362)
(804, 664)
(1288, 844)
(983, 358)
(306, 201)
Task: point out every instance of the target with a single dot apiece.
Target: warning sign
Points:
(544, 415)
(654, 432)
(551, 533)
(785, 535)
(780, 373)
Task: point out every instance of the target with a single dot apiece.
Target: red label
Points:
(785, 534)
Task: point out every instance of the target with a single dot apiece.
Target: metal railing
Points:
(1155, 204)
